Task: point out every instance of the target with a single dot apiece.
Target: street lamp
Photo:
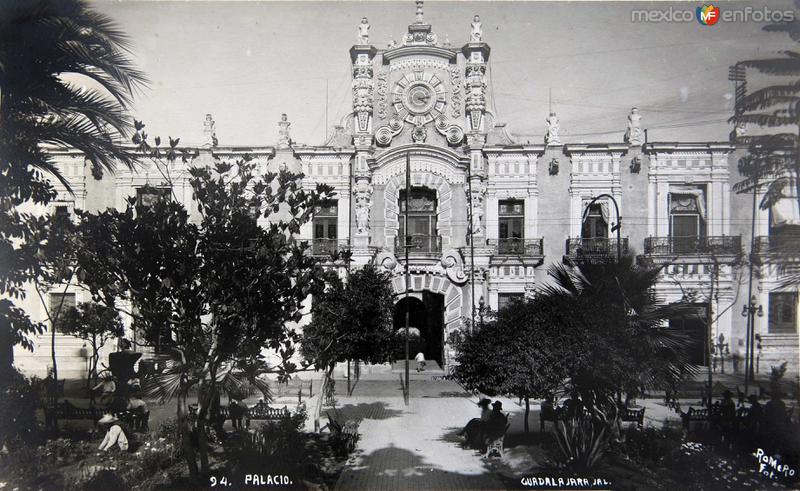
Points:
(721, 348)
(750, 310)
(481, 307)
(616, 227)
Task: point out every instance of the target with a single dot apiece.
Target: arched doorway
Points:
(426, 313)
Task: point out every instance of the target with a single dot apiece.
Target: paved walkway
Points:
(413, 447)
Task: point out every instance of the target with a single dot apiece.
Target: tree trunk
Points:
(323, 390)
(203, 413)
(185, 429)
(527, 412)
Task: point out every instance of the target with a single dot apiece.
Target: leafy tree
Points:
(225, 288)
(65, 79)
(351, 321)
(95, 324)
(525, 349)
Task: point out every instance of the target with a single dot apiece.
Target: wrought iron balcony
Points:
(517, 247)
(418, 244)
(327, 247)
(597, 246)
(713, 244)
(785, 244)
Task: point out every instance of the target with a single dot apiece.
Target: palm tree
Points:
(634, 350)
(66, 78)
(772, 163)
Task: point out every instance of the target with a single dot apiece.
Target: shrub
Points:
(581, 445)
(19, 398)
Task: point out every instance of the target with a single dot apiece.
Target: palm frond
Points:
(790, 65)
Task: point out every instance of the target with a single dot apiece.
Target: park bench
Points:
(494, 445)
(68, 411)
(632, 415)
(263, 412)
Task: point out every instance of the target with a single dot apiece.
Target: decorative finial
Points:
(420, 15)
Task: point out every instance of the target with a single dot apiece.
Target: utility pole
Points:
(406, 245)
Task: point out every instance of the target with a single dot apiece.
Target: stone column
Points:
(476, 54)
(362, 57)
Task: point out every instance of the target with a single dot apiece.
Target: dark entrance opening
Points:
(693, 326)
(427, 316)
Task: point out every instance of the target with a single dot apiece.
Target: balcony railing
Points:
(517, 247)
(327, 247)
(418, 244)
(597, 246)
(713, 244)
(778, 244)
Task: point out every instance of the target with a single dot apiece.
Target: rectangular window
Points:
(511, 226)
(325, 226)
(60, 303)
(595, 226)
(687, 217)
(783, 312)
(506, 299)
(148, 195)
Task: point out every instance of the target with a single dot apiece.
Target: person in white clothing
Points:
(115, 434)
(420, 359)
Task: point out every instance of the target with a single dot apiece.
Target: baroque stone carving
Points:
(636, 165)
(385, 134)
(363, 198)
(553, 127)
(476, 93)
(455, 96)
(553, 167)
(419, 134)
(453, 265)
(476, 32)
(363, 31)
(453, 132)
(382, 90)
(634, 135)
(478, 193)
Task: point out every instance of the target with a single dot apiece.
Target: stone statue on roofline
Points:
(363, 31)
(634, 135)
(553, 127)
(476, 34)
(283, 132)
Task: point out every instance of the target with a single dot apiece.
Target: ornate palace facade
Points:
(488, 214)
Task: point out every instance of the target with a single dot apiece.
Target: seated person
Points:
(472, 430)
(140, 411)
(117, 434)
(494, 427)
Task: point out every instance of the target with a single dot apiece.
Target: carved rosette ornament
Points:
(453, 132)
(385, 134)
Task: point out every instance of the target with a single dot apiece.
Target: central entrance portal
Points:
(427, 316)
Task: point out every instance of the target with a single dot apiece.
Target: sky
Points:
(247, 62)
